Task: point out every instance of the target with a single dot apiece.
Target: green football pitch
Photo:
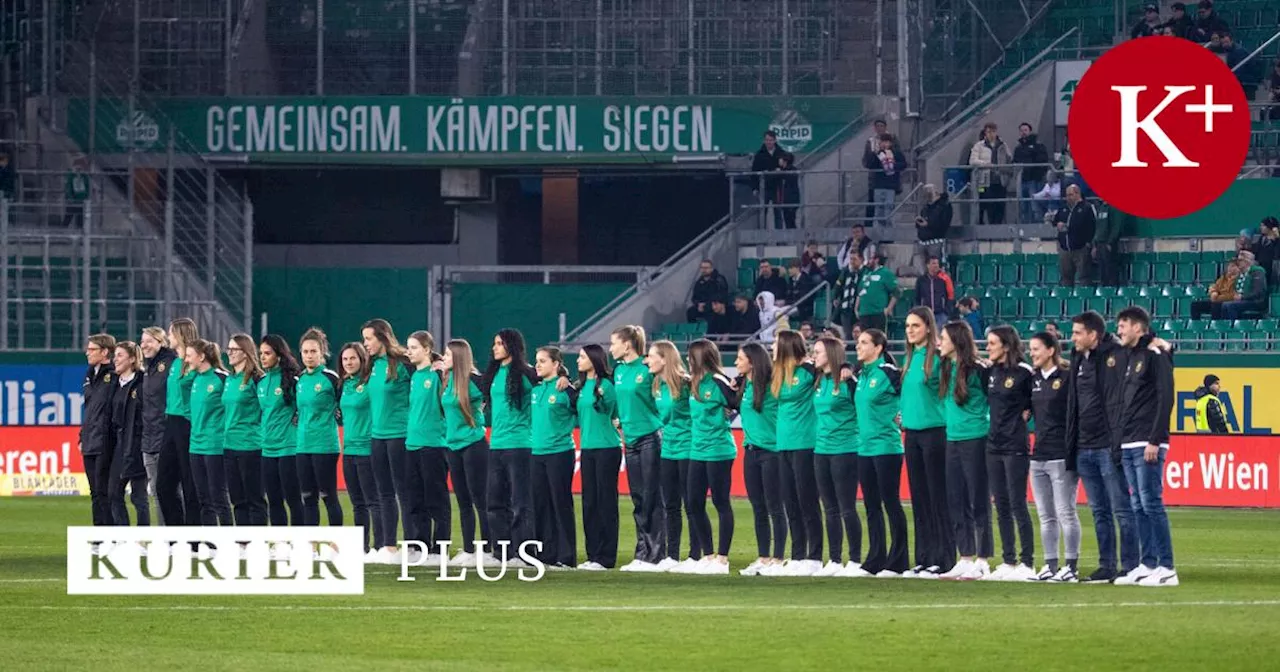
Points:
(1223, 616)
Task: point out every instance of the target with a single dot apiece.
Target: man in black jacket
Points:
(1097, 375)
(745, 319)
(1032, 158)
(766, 161)
(1179, 24)
(798, 286)
(1207, 22)
(96, 445)
(932, 224)
(1077, 222)
(1145, 408)
(770, 280)
(709, 287)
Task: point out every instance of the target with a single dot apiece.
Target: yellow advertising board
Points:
(1251, 398)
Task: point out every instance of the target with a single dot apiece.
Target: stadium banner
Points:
(1250, 397)
(472, 131)
(33, 394)
(1066, 77)
(1201, 469)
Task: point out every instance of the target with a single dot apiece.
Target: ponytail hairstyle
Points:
(925, 315)
(673, 371)
(833, 348)
(966, 361)
(880, 340)
(428, 343)
(1012, 344)
(391, 347)
(130, 348)
(252, 367)
(704, 360)
(791, 353)
(185, 330)
(362, 376)
(1050, 342)
(460, 374)
(289, 368)
(557, 357)
(209, 351)
(633, 335)
(761, 374)
(316, 334)
(599, 366)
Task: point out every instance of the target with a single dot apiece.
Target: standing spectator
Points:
(1149, 24)
(1179, 24)
(858, 242)
(1274, 113)
(770, 315)
(709, 286)
(1106, 248)
(799, 285)
(877, 295)
(745, 319)
(807, 258)
(886, 168)
(935, 290)
(1076, 226)
(1251, 289)
(8, 179)
(788, 196)
(1033, 160)
(1267, 247)
(819, 272)
(1207, 22)
(1248, 73)
(77, 192)
(1210, 418)
(844, 295)
(1049, 197)
(986, 155)
(933, 223)
(766, 161)
(769, 280)
(971, 312)
(878, 128)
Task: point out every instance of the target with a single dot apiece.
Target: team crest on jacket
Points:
(795, 380)
(426, 384)
(706, 395)
(551, 399)
(279, 391)
(1057, 384)
(317, 387)
(360, 388)
(106, 378)
(639, 377)
(133, 394)
(1137, 367)
(1111, 361)
(1008, 383)
(160, 368)
(243, 387)
(872, 383)
(209, 389)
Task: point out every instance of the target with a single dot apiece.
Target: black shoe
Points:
(1101, 575)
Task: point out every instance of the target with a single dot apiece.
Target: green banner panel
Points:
(339, 300)
(1242, 207)
(481, 309)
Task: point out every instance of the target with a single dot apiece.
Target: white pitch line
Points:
(659, 608)
(29, 580)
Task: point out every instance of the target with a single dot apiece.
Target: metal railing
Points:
(774, 205)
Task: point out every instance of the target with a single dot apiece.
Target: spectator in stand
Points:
(1267, 247)
(77, 192)
(1221, 291)
(1150, 24)
(844, 295)
(877, 295)
(886, 168)
(809, 256)
(1049, 197)
(971, 312)
(709, 287)
(935, 290)
(719, 322)
(788, 196)
(932, 224)
(1052, 329)
(766, 161)
(769, 316)
(745, 320)
(986, 156)
(806, 330)
(1210, 417)
(1077, 223)
(1207, 22)
(1106, 250)
(1274, 113)
(1251, 289)
(858, 242)
(1033, 159)
(878, 128)
(8, 178)
(1248, 74)
(1179, 24)
(770, 280)
(819, 272)
(798, 286)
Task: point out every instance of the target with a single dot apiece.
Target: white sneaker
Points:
(592, 566)
(1022, 573)
(517, 563)
(488, 560)
(715, 568)
(913, 573)
(388, 557)
(642, 567)
(463, 559)
(1001, 573)
(370, 558)
(1135, 575)
(1045, 574)
(666, 565)
(804, 568)
(685, 566)
(415, 557)
(888, 574)
(930, 573)
(1065, 575)
(832, 568)
(775, 569)
(752, 569)
(853, 570)
(630, 566)
(560, 568)
(1163, 577)
(979, 570)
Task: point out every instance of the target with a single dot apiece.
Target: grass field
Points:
(1223, 616)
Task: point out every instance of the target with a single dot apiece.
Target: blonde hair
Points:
(463, 363)
(158, 335)
(791, 352)
(133, 351)
(632, 334)
(185, 329)
(673, 372)
(248, 348)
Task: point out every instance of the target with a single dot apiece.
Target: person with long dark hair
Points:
(507, 384)
(1054, 487)
(835, 457)
(389, 383)
(671, 392)
(158, 358)
(468, 456)
(243, 434)
(925, 448)
(642, 431)
(880, 455)
(553, 419)
(175, 482)
(208, 426)
(758, 410)
(601, 448)
(357, 444)
(319, 399)
(963, 387)
(1009, 452)
(427, 484)
(712, 401)
(794, 383)
(95, 425)
(277, 402)
(127, 468)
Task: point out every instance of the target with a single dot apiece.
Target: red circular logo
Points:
(1159, 127)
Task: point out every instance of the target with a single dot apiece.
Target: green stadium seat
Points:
(1162, 269)
(1049, 273)
(1244, 325)
(1140, 272)
(1259, 340)
(1184, 272)
(1221, 325)
(1029, 269)
(966, 272)
(752, 264)
(1206, 270)
(1166, 326)
(1009, 307)
(1269, 324)
(746, 277)
(1198, 292)
(1233, 341)
(1164, 306)
(1187, 339)
(1275, 304)
(996, 292)
(1008, 267)
(987, 271)
(1073, 306)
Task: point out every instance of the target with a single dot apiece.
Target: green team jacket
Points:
(879, 386)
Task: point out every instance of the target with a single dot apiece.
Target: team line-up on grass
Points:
(259, 443)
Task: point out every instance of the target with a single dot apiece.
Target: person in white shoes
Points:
(670, 388)
(758, 410)
(963, 387)
(1009, 453)
(880, 456)
(1054, 486)
(468, 456)
(601, 456)
(712, 401)
(835, 456)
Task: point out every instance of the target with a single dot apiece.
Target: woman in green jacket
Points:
(208, 424)
(468, 449)
(554, 417)
(963, 388)
(712, 401)
(835, 457)
(597, 409)
(357, 440)
(794, 384)
(671, 394)
(319, 396)
(389, 382)
(277, 392)
(173, 467)
(243, 433)
(508, 386)
(925, 448)
(758, 409)
(880, 455)
(427, 482)
(642, 431)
